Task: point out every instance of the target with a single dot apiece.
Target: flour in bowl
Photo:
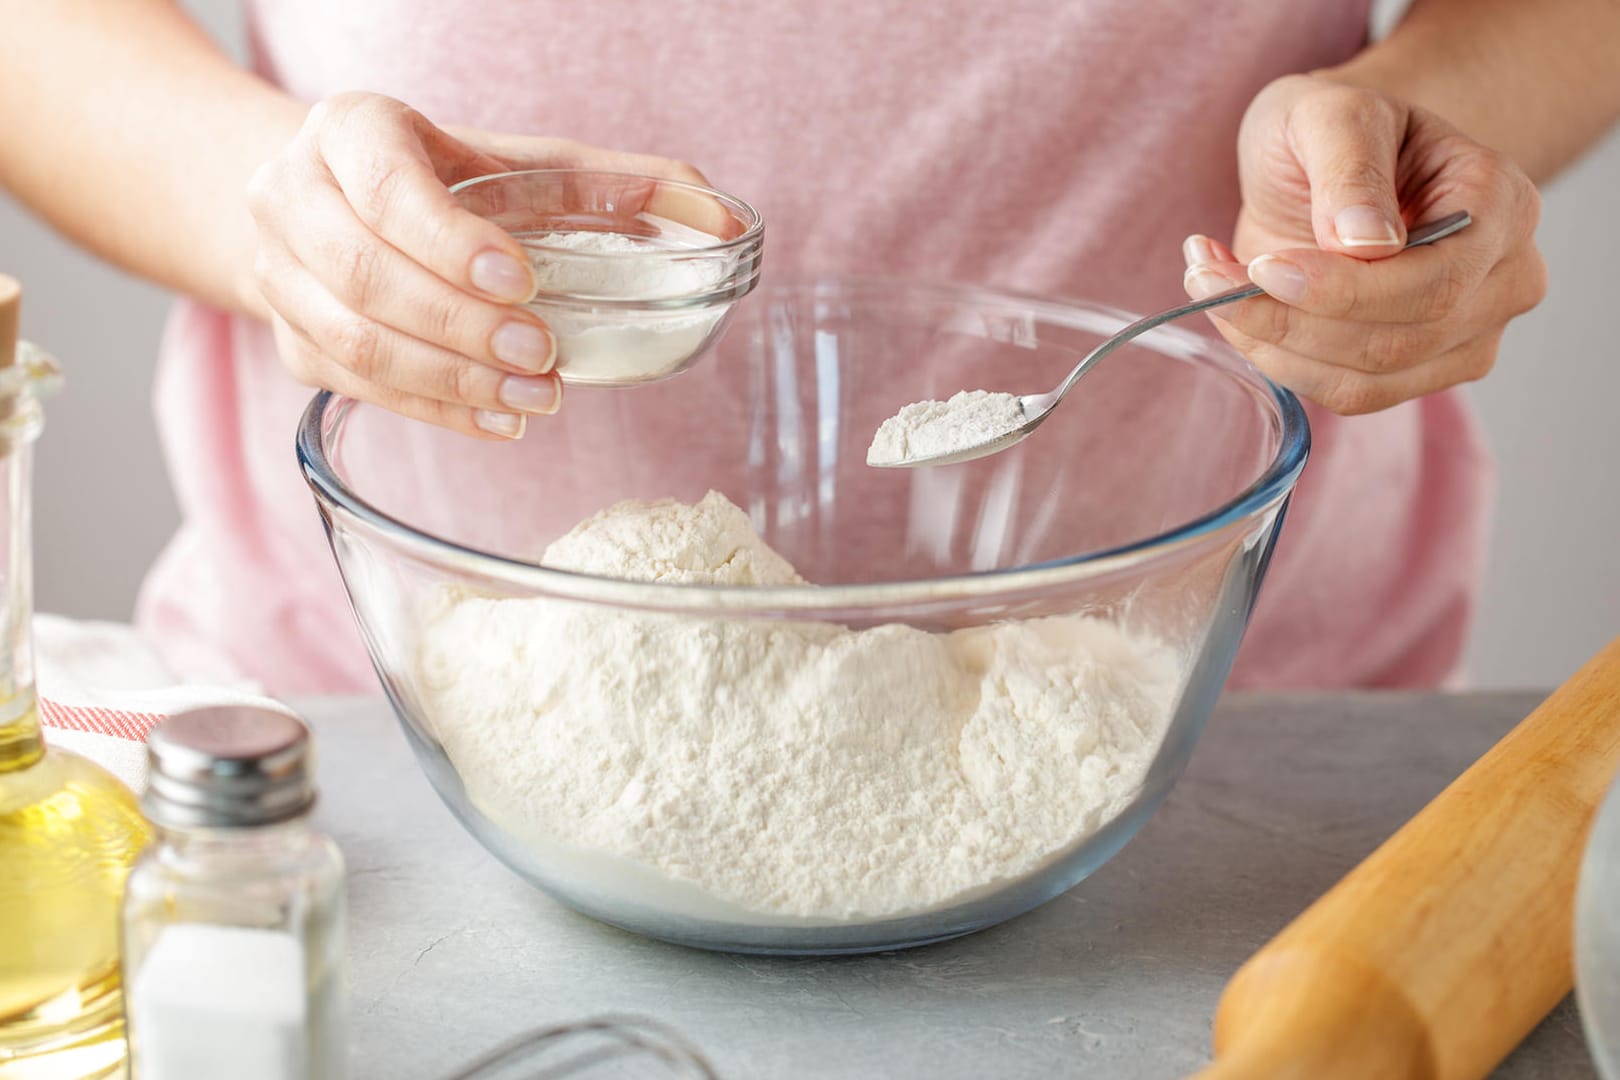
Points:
(611, 344)
(926, 429)
(801, 769)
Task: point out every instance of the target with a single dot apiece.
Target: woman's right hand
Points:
(380, 287)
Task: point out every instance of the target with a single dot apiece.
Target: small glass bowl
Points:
(644, 303)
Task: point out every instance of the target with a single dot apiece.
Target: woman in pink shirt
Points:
(302, 206)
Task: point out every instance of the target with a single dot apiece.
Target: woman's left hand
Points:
(1332, 177)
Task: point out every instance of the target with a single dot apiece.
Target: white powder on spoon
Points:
(790, 770)
(926, 429)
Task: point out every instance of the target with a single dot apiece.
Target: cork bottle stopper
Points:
(10, 305)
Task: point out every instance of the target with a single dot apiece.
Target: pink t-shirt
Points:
(1117, 118)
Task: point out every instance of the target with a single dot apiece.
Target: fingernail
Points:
(524, 346)
(499, 423)
(500, 275)
(1280, 278)
(1197, 249)
(1200, 281)
(1362, 226)
(530, 395)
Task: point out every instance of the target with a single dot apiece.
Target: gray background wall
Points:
(1552, 597)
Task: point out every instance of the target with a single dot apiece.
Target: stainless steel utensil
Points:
(1037, 407)
(603, 1046)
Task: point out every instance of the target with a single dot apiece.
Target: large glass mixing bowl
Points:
(1151, 501)
(1597, 938)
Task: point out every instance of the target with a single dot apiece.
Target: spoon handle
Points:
(1438, 229)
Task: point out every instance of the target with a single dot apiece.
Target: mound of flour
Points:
(788, 769)
(926, 429)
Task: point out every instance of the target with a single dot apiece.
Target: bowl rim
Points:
(749, 237)
(1270, 488)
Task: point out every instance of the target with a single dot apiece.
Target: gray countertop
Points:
(451, 954)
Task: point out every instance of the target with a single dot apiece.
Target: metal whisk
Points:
(619, 1046)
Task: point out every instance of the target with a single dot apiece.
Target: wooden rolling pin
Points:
(1437, 955)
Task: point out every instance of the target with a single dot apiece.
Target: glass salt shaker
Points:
(234, 918)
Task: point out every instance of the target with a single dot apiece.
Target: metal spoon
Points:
(1037, 407)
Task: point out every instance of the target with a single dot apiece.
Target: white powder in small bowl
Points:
(610, 346)
(927, 429)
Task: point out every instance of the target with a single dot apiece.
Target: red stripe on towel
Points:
(134, 726)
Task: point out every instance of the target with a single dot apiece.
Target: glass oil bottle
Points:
(69, 830)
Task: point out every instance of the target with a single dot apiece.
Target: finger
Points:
(1354, 393)
(382, 155)
(1198, 249)
(647, 165)
(311, 367)
(379, 355)
(1375, 347)
(1418, 286)
(524, 152)
(479, 423)
(1351, 392)
(1363, 346)
(693, 206)
(1424, 284)
(621, 192)
(1208, 278)
(1348, 140)
(372, 278)
(696, 210)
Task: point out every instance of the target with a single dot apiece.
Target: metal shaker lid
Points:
(229, 767)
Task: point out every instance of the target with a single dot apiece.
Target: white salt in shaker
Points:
(234, 916)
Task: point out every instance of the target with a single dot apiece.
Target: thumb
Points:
(1348, 141)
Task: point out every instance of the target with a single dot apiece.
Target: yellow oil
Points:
(69, 832)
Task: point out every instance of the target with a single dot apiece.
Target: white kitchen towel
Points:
(102, 688)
